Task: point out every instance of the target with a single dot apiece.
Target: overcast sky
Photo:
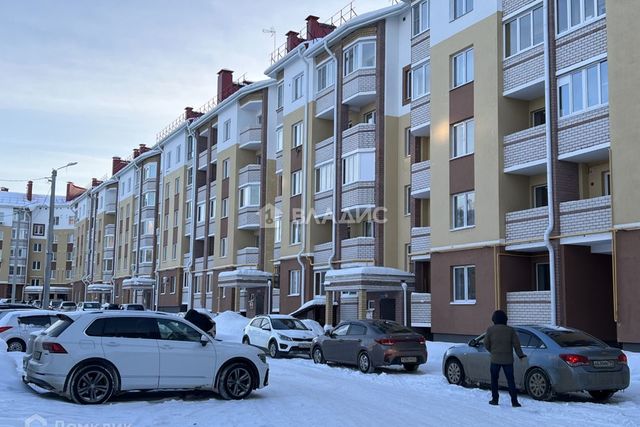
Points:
(87, 80)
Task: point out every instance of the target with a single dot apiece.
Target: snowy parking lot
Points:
(302, 393)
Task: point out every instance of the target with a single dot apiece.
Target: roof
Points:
(19, 200)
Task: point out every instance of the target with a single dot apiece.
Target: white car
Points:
(88, 306)
(279, 334)
(15, 326)
(68, 306)
(91, 356)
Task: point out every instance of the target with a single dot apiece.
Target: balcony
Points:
(186, 259)
(525, 152)
(421, 116)
(251, 138)
(421, 47)
(323, 204)
(279, 161)
(321, 254)
(529, 308)
(421, 180)
(323, 151)
(325, 103)
(110, 201)
(199, 264)
(201, 195)
(420, 310)
(249, 174)
(358, 196)
(420, 243)
(360, 136)
(249, 218)
(587, 222)
(525, 229)
(247, 257)
(524, 74)
(358, 251)
(584, 137)
(202, 160)
(200, 231)
(359, 87)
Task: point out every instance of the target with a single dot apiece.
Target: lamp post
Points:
(52, 206)
(404, 294)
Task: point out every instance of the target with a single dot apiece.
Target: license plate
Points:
(408, 359)
(37, 355)
(603, 364)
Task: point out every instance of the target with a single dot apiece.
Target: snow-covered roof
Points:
(318, 300)
(19, 200)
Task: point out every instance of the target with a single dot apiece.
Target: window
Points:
(168, 160)
(463, 210)
(406, 85)
(56, 220)
(225, 208)
(324, 177)
(148, 172)
(540, 196)
(407, 200)
(174, 330)
(207, 286)
(294, 282)
(226, 130)
(249, 196)
(420, 17)
(167, 190)
(357, 329)
(572, 13)
(538, 117)
(325, 75)
(296, 88)
(296, 231)
(189, 176)
(543, 277)
(37, 247)
(462, 68)
(279, 139)
(407, 142)
(108, 265)
(340, 331)
(200, 212)
(464, 284)
(35, 282)
(187, 210)
(147, 227)
(421, 80)
(350, 169)
(462, 138)
(226, 163)
(606, 183)
(367, 229)
(146, 255)
(296, 132)
(35, 321)
(190, 148)
(124, 327)
(280, 95)
(177, 186)
(296, 183)
(212, 209)
(149, 199)
(178, 154)
(318, 282)
(277, 225)
(584, 89)
(35, 265)
(369, 117)
(460, 7)
(172, 284)
(359, 55)
(223, 247)
(38, 229)
(523, 32)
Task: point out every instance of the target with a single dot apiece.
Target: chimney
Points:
(292, 40)
(29, 190)
(95, 182)
(73, 191)
(317, 30)
(226, 86)
(142, 148)
(136, 153)
(190, 114)
(116, 164)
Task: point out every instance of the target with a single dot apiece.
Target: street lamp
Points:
(52, 206)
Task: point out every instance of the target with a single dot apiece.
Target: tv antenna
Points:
(272, 32)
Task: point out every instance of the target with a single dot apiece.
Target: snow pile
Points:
(315, 327)
(3, 346)
(230, 325)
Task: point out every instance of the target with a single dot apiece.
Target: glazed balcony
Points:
(360, 136)
(249, 174)
(249, 218)
(421, 180)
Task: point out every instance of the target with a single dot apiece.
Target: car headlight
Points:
(263, 357)
(284, 337)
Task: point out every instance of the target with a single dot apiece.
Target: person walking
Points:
(501, 340)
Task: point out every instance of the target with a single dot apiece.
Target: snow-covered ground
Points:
(301, 393)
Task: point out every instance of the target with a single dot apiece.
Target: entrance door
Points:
(388, 309)
(259, 301)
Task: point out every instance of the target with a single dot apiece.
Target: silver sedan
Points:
(559, 360)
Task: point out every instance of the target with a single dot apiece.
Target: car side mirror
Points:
(473, 343)
(204, 340)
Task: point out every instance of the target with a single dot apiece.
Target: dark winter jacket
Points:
(501, 340)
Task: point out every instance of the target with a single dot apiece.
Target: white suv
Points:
(15, 326)
(91, 356)
(279, 334)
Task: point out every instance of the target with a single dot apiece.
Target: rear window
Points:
(124, 327)
(387, 327)
(92, 305)
(58, 327)
(35, 321)
(566, 338)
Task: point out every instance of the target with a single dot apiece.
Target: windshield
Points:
(566, 338)
(386, 327)
(91, 305)
(282, 324)
(135, 307)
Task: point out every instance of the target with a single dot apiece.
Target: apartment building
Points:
(24, 219)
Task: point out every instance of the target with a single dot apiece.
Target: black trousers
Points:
(508, 372)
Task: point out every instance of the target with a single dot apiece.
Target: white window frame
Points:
(295, 236)
(325, 75)
(466, 130)
(469, 73)
(355, 52)
(568, 81)
(149, 199)
(407, 200)
(200, 213)
(350, 169)
(467, 198)
(294, 282)
(249, 196)
(421, 80)
(583, 20)
(296, 87)
(277, 230)
(517, 21)
(420, 23)
(296, 135)
(538, 274)
(465, 8)
(212, 208)
(296, 183)
(226, 168)
(279, 139)
(466, 284)
(324, 177)
(223, 247)
(226, 130)
(280, 95)
(224, 209)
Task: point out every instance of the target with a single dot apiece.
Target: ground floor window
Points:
(543, 276)
(318, 282)
(464, 284)
(294, 282)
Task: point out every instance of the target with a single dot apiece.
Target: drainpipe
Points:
(547, 106)
(303, 237)
(194, 167)
(159, 216)
(404, 300)
(141, 184)
(92, 241)
(335, 158)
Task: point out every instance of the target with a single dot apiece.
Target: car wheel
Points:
(454, 372)
(538, 385)
(410, 367)
(16, 345)
(317, 355)
(236, 382)
(92, 385)
(273, 350)
(245, 340)
(364, 363)
(602, 395)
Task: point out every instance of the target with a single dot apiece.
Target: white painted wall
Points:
(442, 26)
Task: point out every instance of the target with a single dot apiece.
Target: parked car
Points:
(16, 306)
(55, 305)
(88, 306)
(91, 356)
(279, 334)
(110, 306)
(135, 307)
(370, 344)
(559, 360)
(36, 303)
(16, 326)
(68, 306)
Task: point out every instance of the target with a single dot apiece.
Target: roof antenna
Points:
(271, 31)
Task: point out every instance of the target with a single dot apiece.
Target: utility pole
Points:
(47, 270)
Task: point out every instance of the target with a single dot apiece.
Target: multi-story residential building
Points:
(24, 219)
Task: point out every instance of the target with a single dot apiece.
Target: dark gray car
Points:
(369, 344)
(559, 360)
